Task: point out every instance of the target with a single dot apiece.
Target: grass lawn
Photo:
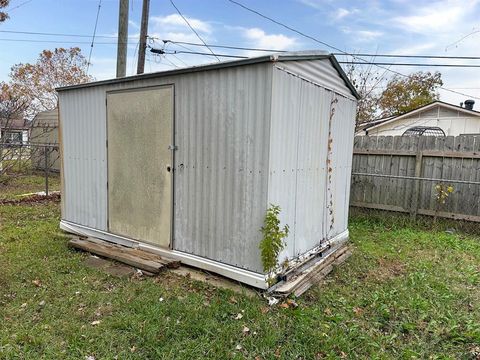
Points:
(25, 184)
(405, 293)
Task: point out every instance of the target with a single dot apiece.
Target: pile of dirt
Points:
(31, 199)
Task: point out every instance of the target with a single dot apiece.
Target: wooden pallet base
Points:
(134, 257)
(303, 280)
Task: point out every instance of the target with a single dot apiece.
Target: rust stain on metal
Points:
(330, 205)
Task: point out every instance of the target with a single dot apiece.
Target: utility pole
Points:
(143, 37)
(122, 39)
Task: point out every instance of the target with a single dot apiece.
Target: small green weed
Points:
(272, 243)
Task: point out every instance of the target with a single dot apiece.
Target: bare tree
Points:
(31, 90)
(12, 111)
(3, 15)
(19, 157)
(368, 81)
(36, 82)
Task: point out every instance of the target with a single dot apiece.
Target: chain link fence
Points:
(28, 169)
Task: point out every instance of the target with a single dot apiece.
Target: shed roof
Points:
(14, 123)
(280, 57)
(46, 119)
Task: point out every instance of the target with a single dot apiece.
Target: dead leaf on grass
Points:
(239, 316)
(358, 311)
(95, 322)
(37, 283)
(289, 304)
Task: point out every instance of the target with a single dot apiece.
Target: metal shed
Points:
(186, 162)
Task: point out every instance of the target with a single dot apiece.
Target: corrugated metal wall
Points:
(320, 72)
(83, 126)
(343, 125)
(221, 130)
(298, 159)
(232, 161)
(222, 159)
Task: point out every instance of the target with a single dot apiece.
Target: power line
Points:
(20, 5)
(57, 41)
(171, 62)
(333, 47)
(173, 52)
(54, 34)
(414, 56)
(94, 32)
(183, 46)
(284, 25)
(190, 26)
(341, 53)
(254, 49)
(251, 49)
(176, 57)
(224, 46)
(409, 64)
(161, 51)
(462, 38)
(134, 56)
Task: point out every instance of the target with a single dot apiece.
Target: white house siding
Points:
(452, 122)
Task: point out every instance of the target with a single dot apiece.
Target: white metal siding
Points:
(343, 125)
(82, 113)
(298, 160)
(221, 189)
(232, 159)
(320, 72)
(221, 130)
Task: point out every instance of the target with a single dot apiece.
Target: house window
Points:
(11, 137)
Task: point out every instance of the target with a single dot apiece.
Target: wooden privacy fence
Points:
(438, 176)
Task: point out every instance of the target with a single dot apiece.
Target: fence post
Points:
(46, 169)
(416, 186)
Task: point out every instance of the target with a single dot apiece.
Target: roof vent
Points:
(469, 104)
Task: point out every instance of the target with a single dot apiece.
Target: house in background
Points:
(44, 137)
(13, 131)
(453, 120)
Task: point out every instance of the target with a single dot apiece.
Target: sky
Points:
(420, 27)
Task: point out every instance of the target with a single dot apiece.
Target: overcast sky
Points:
(397, 26)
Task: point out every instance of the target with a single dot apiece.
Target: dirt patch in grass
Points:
(387, 269)
(31, 199)
(13, 185)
